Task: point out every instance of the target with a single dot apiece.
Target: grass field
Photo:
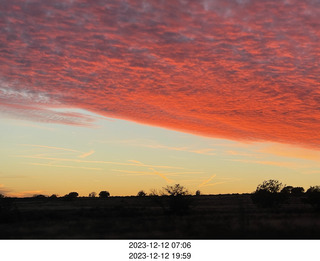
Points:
(207, 217)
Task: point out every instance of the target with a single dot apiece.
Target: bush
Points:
(92, 195)
(297, 191)
(153, 193)
(287, 190)
(104, 194)
(39, 196)
(141, 193)
(72, 195)
(313, 196)
(267, 194)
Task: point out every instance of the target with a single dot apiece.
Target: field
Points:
(200, 217)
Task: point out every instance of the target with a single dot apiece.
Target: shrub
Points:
(313, 196)
(72, 195)
(287, 190)
(297, 191)
(153, 193)
(39, 196)
(92, 195)
(104, 194)
(141, 193)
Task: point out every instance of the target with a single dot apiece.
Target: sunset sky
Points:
(216, 95)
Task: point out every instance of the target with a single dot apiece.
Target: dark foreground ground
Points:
(208, 217)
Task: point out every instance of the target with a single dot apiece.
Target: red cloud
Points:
(244, 70)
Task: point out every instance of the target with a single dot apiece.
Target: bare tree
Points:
(153, 193)
(176, 190)
(178, 199)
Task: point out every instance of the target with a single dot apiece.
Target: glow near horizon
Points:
(125, 157)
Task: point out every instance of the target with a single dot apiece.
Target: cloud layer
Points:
(242, 70)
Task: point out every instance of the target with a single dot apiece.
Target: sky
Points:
(127, 95)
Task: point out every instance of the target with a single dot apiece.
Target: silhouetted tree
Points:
(1, 196)
(53, 196)
(267, 194)
(287, 190)
(272, 186)
(179, 199)
(313, 196)
(176, 190)
(198, 193)
(72, 195)
(92, 195)
(141, 193)
(39, 196)
(297, 191)
(313, 189)
(104, 194)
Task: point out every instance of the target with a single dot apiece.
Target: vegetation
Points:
(297, 191)
(92, 195)
(141, 193)
(290, 190)
(271, 186)
(170, 213)
(178, 199)
(287, 190)
(313, 197)
(153, 193)
(267, 194)
(39, 196)
(104, 194)
(72, 195)
(175, 191)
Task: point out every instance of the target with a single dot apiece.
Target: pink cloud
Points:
(241, 70)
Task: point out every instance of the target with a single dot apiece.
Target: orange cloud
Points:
(84, 155)
(241, 70)
(292, 152)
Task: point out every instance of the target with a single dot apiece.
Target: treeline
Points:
(272, 193)
(269, 194)
(176, 190)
